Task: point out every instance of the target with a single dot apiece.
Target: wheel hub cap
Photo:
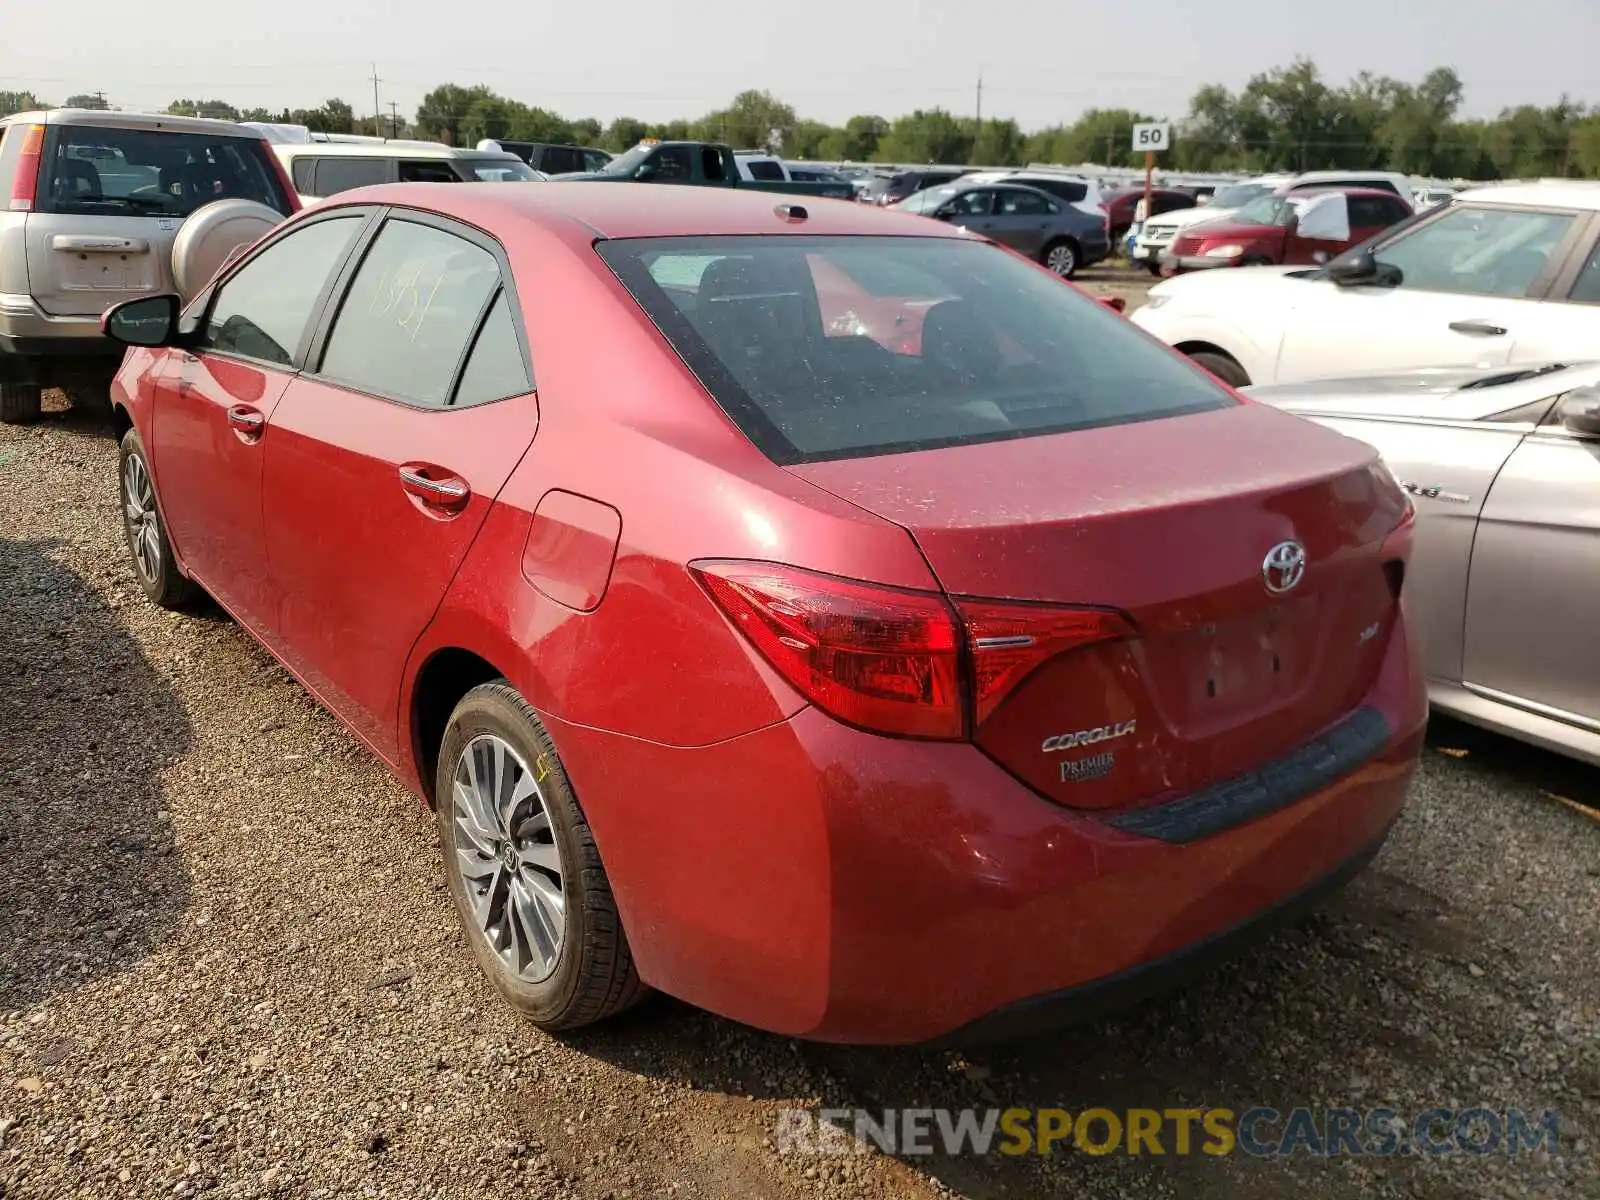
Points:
(139, 517)
(506, 851)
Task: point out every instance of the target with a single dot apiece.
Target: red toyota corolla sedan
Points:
(859, 688)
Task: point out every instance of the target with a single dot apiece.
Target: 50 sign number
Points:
(1152, 136)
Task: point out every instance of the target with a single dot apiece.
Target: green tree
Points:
(218, 110)
(926, 136)
(443, 111)
(1585, 145)
(585, 132)
(755, 120)
(15, 102)
(624, 133)
(94, 100)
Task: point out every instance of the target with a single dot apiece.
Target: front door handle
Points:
(435, 486)
(246, 422)
(1478, 328)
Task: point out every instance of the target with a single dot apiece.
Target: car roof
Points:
(1323, 189)
(619, 210)
(117, 119)
(1565, 193)
(389, 149)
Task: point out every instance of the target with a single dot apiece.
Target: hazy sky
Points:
(1043, 61)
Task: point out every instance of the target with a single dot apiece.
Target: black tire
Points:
(20, 403)
(1153, 268)
(1223, 367)
(1062, 256)
(593, 975)
(1255, 260)
(146, 534)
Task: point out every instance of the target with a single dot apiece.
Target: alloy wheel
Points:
(1061, 260)
(140, 517)
(510, 863)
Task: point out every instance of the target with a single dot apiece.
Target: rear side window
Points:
(428, 172)
(561, 159)
(844, 347)
(262, 311)
(760, 169)
(335, 175)
(495, 367)
(152, 172)
(413, 307)
(303, 172)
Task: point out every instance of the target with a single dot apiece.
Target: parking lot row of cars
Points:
(1020, 640)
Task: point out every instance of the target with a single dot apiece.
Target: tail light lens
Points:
(892, 660)
(1008, 640)
(25, 183)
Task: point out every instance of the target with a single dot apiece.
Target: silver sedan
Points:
(1503, 465)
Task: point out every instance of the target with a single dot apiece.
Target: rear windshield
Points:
(152, 172)
(843, 347)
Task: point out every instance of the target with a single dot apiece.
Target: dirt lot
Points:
(228, 963)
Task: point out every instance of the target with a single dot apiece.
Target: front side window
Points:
(499, 170)
(920, 342)
(152, 172)
(335, 175)
(428, 172)
(1239, 194)
(262, 310)
(672, 164)
(975, 203)
(1270, 210)
(415, 303)
(1479, 251)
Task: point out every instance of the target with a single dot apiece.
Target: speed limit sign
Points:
(1154, 136)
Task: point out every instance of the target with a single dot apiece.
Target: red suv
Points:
(855, 687)
(1300, 228)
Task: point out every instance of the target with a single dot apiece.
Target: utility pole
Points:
(377, 109)
(394, 119)
(977, 128)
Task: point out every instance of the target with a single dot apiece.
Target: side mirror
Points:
(1353, 270)
(147, 321)
(1326, 218)
(1115, 303)
(1580, 410)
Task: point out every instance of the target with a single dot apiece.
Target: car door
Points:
(1529, 637)
(1469, 287)
(972, 209)
(1022, 219)
(214, 405)
(384, 458)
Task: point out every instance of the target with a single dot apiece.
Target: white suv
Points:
(1503, 274)
(96, 203)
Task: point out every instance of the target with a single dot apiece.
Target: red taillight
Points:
(1008, 640)
(25, 183)
(290, 195)
(877, 657)
(892, 660)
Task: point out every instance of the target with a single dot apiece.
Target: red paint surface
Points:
(770, 862)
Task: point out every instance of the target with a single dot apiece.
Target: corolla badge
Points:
(1088, 737)
(1284, 567)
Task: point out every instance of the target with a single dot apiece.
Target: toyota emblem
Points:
(1284, 567)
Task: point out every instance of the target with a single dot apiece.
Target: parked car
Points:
(551, 158)
(1083, 194)
(1157, 236)
(921, 735)
(1296, 228)
(1032, 222)
(702, 164)
(895, 187)
(1505, 274)
(1504, 467)
(1432, 197)
(97, 201)
(811, 173)
(321, 169)
(1122, 206)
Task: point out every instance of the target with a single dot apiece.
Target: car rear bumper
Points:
(823, 882)
(1178, 264)
(27, 331)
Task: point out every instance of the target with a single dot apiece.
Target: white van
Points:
(326, 164)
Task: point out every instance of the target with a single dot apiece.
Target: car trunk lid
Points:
(1229, 662)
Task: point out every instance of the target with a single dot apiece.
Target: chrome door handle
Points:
(435, 491)
(1478, 328)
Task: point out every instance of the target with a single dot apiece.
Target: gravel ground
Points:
(228, 963)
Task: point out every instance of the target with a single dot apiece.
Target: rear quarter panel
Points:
(1461, 462)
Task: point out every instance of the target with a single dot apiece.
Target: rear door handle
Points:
(1478, 328)
(435, 486)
